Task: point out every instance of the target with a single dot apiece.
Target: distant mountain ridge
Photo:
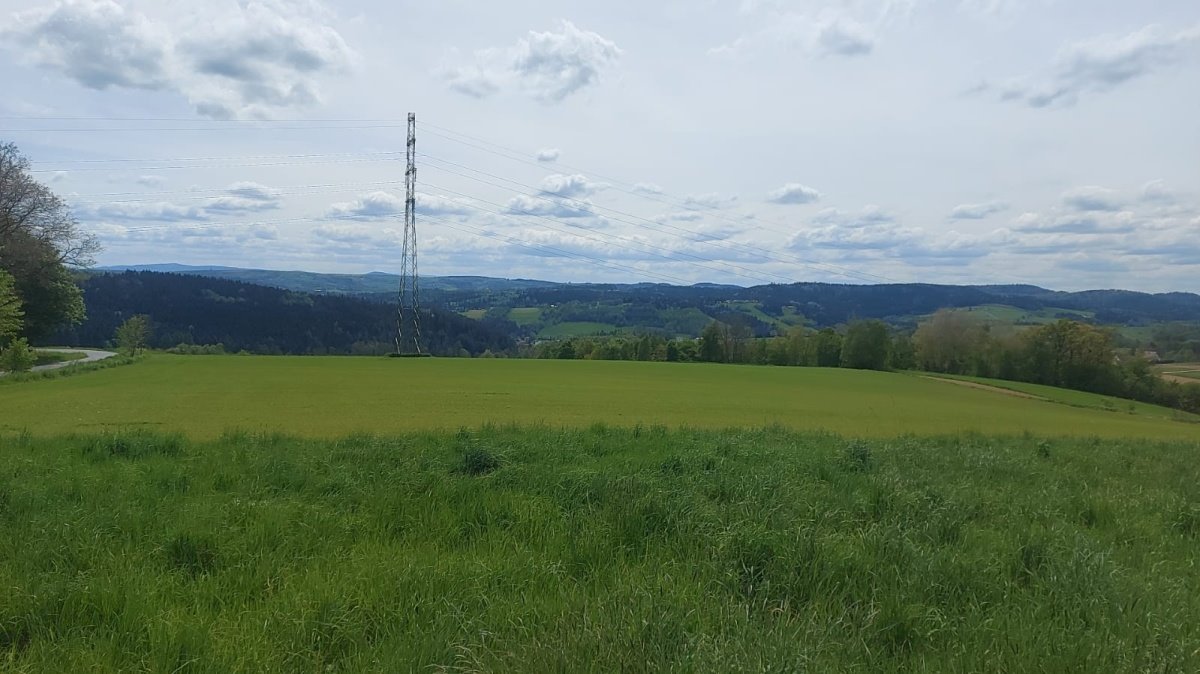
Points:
(635, 306)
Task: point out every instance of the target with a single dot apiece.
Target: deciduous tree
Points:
(40, 241)
(10, 308)
(133, 334)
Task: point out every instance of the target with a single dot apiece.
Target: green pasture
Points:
(1185, 370)
(595, 549)
(525, 315)
(204, 396)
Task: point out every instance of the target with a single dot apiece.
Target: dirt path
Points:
(985, 387)
(89, 356)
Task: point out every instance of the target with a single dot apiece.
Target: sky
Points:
(1052, 142)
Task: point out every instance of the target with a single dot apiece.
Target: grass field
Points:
(1180, 370)
(525, 315)
(50, 357)
(204, 396)
(596, 550)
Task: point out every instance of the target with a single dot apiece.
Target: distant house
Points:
(1151, 357)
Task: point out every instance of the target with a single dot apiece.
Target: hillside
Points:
(201, 310)
(684, 310)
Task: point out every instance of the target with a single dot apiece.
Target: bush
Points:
(18, 357)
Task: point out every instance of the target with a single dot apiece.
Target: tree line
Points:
(1065, 353)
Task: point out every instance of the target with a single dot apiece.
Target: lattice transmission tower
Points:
(408, 309)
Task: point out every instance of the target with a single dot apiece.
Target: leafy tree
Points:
(40, 241)
(133, 334)
(10, 308)
(18, 357)
(1072, 355)
(865, 346)
(901, 354)
(713, 343)
(949, 342)
(827, 348)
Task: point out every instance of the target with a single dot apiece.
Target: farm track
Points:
(984, 387)
(90, 356)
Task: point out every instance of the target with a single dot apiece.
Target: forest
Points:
(194, 310)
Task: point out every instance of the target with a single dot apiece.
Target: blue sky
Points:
(741, 141)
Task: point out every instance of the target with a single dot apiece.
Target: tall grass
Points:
(601, 549)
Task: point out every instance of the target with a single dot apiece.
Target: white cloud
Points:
(1092, 198)
(831, 32)
(865, 217)
(548, 66)
(151, 181)
(1157, 191)
(1102, 64)
(711, 200)
(570, 186)
(374, 205)
(262, 57)
(547, 154)
(647, 188)
(843, 37)
(977, 211)
(161, 211)
(555, 208)
(794, 193)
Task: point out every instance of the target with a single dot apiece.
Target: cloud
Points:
(355, 235)
(151, 181)
(1094, 264)
(374, 205)
(570, 186)
(245, 197)
(1157, 191)
(258, 58)
(712, 200)
(547, 154)
(826, 34)
(161, 211)
(686, 216)
(1092, 199)
(843, 37)
(1102, 64)
(240, 197)
(548, 66)
(97, 43)
(977, 211)
(647, 188)
(794, 193)
(1034, 223)
(470, 81)
(435, 204)
(869, 215)
(555, 208)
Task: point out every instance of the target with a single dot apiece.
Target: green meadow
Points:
(598, 549)
(205, 396)
(338, 514)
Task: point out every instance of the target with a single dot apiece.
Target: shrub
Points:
(18, 357)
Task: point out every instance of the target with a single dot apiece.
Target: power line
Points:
(231, 158)
(216, 193)
(211, 166)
